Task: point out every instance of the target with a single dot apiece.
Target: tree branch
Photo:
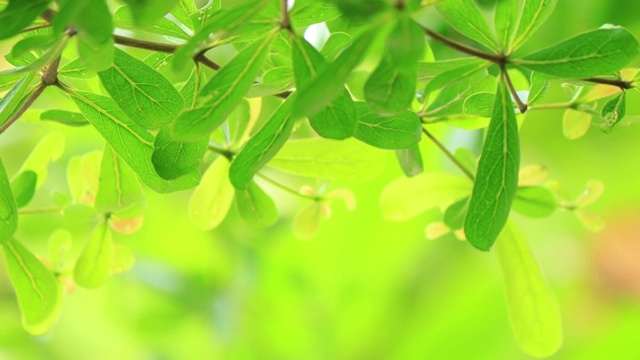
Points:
(498, 59)
(285, 20)
(622, 84)
(521, 106)
(25, 106)
(448, 154)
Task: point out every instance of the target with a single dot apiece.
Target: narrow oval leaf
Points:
(393, 132)
(23, 187)
(222, 93)
(466, 18)
(592, 192)
(506, 22)
(535, 202)
(575, 123)
(406, 198)
(64, 117)
(8, 208)
(39, 292)
(132, 143)
(410, 160)
(262, 147)
(612, 112)
(330, 159)
(118, 187)
(533, 309)
(173, 159)
(141, 92)
(256, 206)
(211, 200)
(598, 52)
(534, 14)
(406, 44)
(18, 15)
(497, 178)
(93, 264)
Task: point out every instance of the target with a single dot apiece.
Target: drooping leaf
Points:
(93, 264)
(173, 159)
(466, 18)
(222, 93)
(262, 146)
(211, 200)
(132, 143)
(406, 198)
(23, 187)
(575, 123)
(533, 308)
(410, 160)
(598, 52)
(497, 177)
(64, 117)
(613, 111)
(534, 14)
(8, 208)
(118, 187)
(535, 202)
(148, 12)
(39, 293)
(18, 15)
(329, 159)
(49, 149)
(393, 132)
(142, 93)
(256, 206)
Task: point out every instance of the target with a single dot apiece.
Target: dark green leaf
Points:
(131, 142)
(255, 206)
(464, 16)
(23, 187)
(390, 89)
(534, 14)
(19, 14)
(93, 264)
(361, 10)
(64, 117)
(613, 111)
(535, 202)
(173, 159)
(394, 132)
(8, 208)
(118, 187)
(597, 52)
(142, 93)
(262, 146)
(497, 178)
(39, 292)
(147, 12)
(410, 160)
(406, 44)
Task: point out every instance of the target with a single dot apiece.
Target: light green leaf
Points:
(613, 111)
(18, 15)
(256, 206)
(307, 221)
(39, 293)
(410, 160)
(60, 243)
(13, 99)
(534, 14)
(118, 187)
(535, 202)
(592, 192)
(23, 187)
(132, 143)
(533, 309)
(428, 70)
(75, 69)
(96, 57)
(8, 208)
(390, 89)
(540, 85)
(147, 12)
(450, 100)
(49, 149)
(575, 123)
(123, 259)
(142, 93)
(262, 146)
(190, 89)
(406, 44)
(305, 13)
(334, 45)
(406, 198)
(455, 214)
(330, 159)
(173, 159)
(466, 18)
(93, 264)
(497, 178)
(64, 117)
(480, 104)
(598, 52)
(222, 93)
(337, 119)
(393, 132)
(211, 200)
(506, 22)
(589, 220)
(125, 19)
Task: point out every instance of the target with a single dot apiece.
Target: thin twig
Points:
(285, 20)
(448, 154)
(34, 28)
(288, 189)
(50, 75)
(26, 105)
(521, 106)
(229, 154)
(622, 84)
(498, 59)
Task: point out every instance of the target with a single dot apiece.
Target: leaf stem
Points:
(34, 28)
(229, 154)
(521, 106)
(39, 211)
(285, 20)
(288, 189)
(448, 154)
(497, 59)
(622, 84)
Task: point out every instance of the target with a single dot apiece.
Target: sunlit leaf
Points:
(23, 187)
(465, 16)
(8, 208)
(575, 123)
(400, 131)
(49, 149)
(118, 187)
(256, 206)
(211, 200)
(535, 202)
(64, 117)
(93, 264)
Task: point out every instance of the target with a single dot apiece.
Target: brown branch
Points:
(25, 106)
(285, 20)
(622, 84)
(144, 44)
(498, 59)
(521, 106)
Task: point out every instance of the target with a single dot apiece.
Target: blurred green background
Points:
(364, 288)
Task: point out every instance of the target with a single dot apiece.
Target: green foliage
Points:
(239, 99)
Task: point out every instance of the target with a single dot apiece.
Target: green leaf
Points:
(191, 87)
(361, 10)
(39, 293)
(455, 214)
(13, 99)
(76, 70)
(93, 264)
(211, 200)
(506, 22)
(410, 160)
(307, 221)
(330, 159)
(428, 70)
(60, 243)
(613, 111)
(406, 198)
(256, 206)
(535, 202)
(173, 159)
(451, 99)
(466, 18)
(534, 14)
(132, 143)
(540, 85)
(49, 149)
(533, 309)
(592, 192)
(118, 187)
(19, 14)
(497, 178)
(64, 117)
(594, 53)
(480, 104)
(334, 45)
(262, 146)
(142, 93)
(406, 44)
(8, 208)
(308, 12)
(23, 187)
(222, 93)
(337, 120)
(124, 18)
(147, 12)
(575, 123)
(390, 88)
(329, 83)
(393, 132)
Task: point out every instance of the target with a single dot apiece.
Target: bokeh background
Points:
(364, 288)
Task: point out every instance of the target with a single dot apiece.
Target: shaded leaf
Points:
(23, 187)
(256, 206)
(173, 159)
(64, 117)
(410, 160)
(18, 15)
